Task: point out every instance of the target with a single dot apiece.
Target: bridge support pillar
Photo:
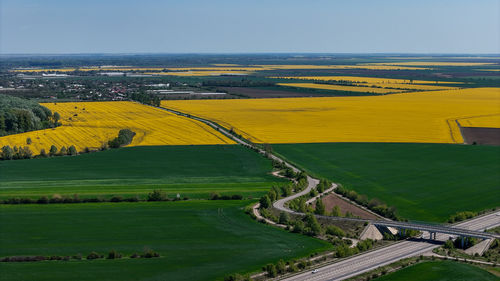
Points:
(463, 242)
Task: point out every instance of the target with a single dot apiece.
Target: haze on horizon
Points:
(225, 26)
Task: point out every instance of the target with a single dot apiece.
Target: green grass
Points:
(194, 171)
(197, 240)
(425, 182)
(440, 271)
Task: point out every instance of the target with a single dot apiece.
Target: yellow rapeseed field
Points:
(89, 124)
(371, 80)
(382, 82)
(488, 121)
(432, 63)
(424, 117)
(340, 88)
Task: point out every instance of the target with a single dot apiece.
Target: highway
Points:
(371, 260)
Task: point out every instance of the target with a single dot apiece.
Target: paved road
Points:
(280, 204)
(371, 260)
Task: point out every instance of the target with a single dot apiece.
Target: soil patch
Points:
(475, 135)
(332, 200)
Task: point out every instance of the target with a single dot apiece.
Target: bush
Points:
(157, 195)
(114, 255)
(150, 254)
(461, 216)
(43, 200)
(271, 270)
(214, 196)
(125, 137)
(334, 230)
(93, 256)
(116, 199)
(237, 197)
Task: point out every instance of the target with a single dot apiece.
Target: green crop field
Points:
(197, 240)
(193, 171)
(425, 182)
(440, 271)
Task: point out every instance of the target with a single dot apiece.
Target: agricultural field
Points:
(192, 171)
(425, 182)
(434, 63)
(341, 88)
(423, 117)
(440, 271)
(196, 240)
(90, 124)
(372, 84)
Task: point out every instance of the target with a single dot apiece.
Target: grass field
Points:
(90, 124)
(422, 117)
(440, 271)
(197, 240)
(193, 171)
(425, 182)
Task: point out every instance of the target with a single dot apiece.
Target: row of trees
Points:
(25, 152)
(125, 137)
(144, 98)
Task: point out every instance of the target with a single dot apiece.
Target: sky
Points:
(251, 26)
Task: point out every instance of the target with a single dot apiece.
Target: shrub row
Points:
(92, 256)
(155, 195)
(217, 196)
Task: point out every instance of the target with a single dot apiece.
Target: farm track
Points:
(364, 262)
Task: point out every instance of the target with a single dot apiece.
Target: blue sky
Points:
(236, 26)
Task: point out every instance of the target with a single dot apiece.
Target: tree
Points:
(63, 151)
(53, 150)
(336, 211)
(449, 244)
(72, 150)
(320, 207)
(125, 137)
(43, 153)
(28, 141)
(284, 218)
(157, 195)
(56, 117)
(298, 226)
(313, 224)
(271, 270)
(265, 202)
(281, 267)
(7, 153)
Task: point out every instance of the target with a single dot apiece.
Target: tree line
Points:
(19, 115)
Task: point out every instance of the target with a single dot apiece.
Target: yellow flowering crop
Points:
(423, 117)
(341, 88)
(89, 124)
(380, 82)
(432, 63)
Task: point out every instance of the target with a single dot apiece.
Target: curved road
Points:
(366, 261)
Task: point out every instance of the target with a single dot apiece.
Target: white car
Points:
(314, 271)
